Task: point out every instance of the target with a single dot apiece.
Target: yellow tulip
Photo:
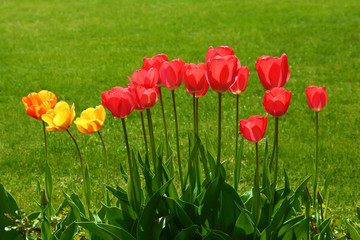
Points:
(59, 118)
(91, 120)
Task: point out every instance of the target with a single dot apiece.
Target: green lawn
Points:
(78, 49)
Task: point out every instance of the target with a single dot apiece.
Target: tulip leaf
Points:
(237, 168)
(69, 232)
(114, 216)
(298, 230)
(48, 182)
(46, 229)
(148, 175)
(177, 210)
(244, 227)
(187, 233)
(217, 235)
(9, 206)
(354, 233)
(123, 173)
(145, 225)
(135, 194)
(87, 186)
(106, 232)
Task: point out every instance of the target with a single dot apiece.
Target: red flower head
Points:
(254, 128)
(154, 62)
(144, 98)
(221, 51)
(171, 73)
(145, 78)
(194, 76)
(241, 80)
(119, 101)
(273, 71)
(276, 101)
(316, 97)
(221, 72)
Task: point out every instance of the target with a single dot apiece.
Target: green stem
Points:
(276, 142)
(177, 140)
(165, 127)
(194, 116)
(144, 132)
(82, 170)
(45, 140)
(197, 115)
(219, 137)
(316, 156)
(257, 189)
(106, 157)
(157, 165)
(237, 164)
(129, 158)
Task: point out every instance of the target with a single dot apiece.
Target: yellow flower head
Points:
(59, 118)
(91, 120)
(37, 104)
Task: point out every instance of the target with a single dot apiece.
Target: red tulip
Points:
(171, 73)
(145, 78)
(194, 76)
(119, 101)
(276, 101)
(316, 97)
(254, 128)
(221, 51)
(154, 62)
(241, 80)
(221, 72)
(273, 71)
(144, 98)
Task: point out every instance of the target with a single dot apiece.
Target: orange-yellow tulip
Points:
(91, 120)
(59, 118)
(37, 104)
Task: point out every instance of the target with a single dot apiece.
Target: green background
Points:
(78, 49)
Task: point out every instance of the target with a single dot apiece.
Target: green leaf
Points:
(244, 227)
(298, 230)
(147, 219)
(46, 229)
(288, 224)
(177, 210)
(69, 232)
(187, 233)
(123, 173)
(148, 175)
(74, 207)
(48, 182)
(119, 193)
(237, 168)
(354, 233)
(358, 213)
(287, 189)
(135, 194)
(87, 186)
(217, 235)
(7, 205)
(106, 232)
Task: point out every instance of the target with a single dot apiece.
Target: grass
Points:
(78, 49)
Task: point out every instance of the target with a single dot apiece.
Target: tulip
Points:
(221, 72)
(316, 97)
(144, 98)
(154, 62)
(145, 78)
(59, 118)
(119, 101)
(273, 71)
(241, 80)
(202, 91)
(171, 73)
(194, 77)
(254, 130)
(219, 51)
(276, 101)
(37, 104)
(91, 120)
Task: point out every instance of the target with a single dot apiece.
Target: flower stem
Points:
(165, 127)
(45, 140)
(316, 156)
(276, 142)
(177, 140)
(106, 157)
(197, 115)
(237, 163)
(257, 189)
(219, 138)
(82, 169)
(156, 162)
(194, 116)
(144, 133)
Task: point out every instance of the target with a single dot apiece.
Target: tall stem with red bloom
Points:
(316, 99)
(221, 73)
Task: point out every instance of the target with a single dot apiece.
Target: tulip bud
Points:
(44, 200)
